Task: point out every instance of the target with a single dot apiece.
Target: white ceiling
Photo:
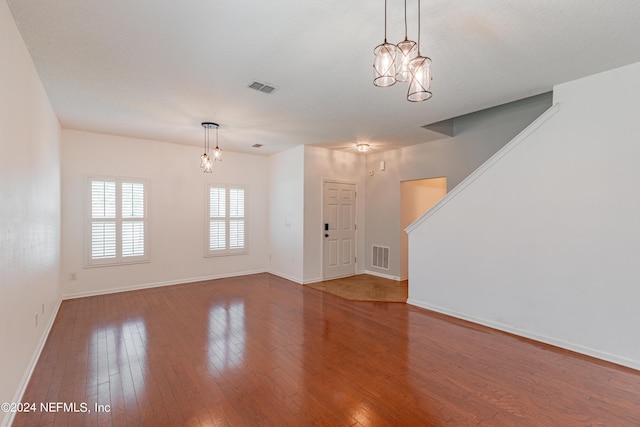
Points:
(155, 69)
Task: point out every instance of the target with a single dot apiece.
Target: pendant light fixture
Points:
(403, 62)
(384, 64)
(420, 69)
(205, 161)
(407, 51)
(217, 152)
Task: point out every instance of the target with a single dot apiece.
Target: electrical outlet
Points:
(36, 319)
(73, 276)
(42, 308)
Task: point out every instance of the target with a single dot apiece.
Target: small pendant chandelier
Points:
(206, 164)
(420, 69)
(384, 64)
(403, 62)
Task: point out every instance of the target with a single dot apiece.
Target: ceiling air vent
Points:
(262, 87)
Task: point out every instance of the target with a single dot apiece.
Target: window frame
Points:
(119, 220)
(227, 251)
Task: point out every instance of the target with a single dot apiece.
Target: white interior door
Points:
(339, 230)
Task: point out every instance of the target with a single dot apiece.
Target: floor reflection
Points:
(226, 347)
(125, 346)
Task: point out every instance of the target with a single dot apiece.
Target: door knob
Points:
(326, 235)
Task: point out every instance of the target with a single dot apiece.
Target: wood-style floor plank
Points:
(259, 350)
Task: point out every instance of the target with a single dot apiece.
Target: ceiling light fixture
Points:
(407, 51)
(420, 69)
(403, 62)
(205, 161)
(362, 147)
(384, 64)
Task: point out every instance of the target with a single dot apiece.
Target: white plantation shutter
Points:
(132, 238)
(132, 200)
(103, 219)
(103, 239)
(118, 221)
(217, 204)
(132, 219)
(217, 223)
(236, 234)
(226, 221)
(216, 235)
(236, 218)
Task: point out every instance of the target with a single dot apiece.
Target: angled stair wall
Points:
(543, 240)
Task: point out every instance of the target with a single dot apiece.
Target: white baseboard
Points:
(158, 284)
(385, 276)
(32, 364)
(373, 273)
(623, 361)
(286, 276)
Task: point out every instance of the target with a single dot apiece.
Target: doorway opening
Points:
(416, 197)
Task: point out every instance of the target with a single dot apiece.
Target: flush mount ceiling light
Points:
(362, 147)
(403, 62)
(205, 161)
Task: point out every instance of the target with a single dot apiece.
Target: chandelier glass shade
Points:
(407, 50)
(420, 70)
(384, 64)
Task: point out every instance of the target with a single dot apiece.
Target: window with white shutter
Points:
(117, 223)
(225, 220)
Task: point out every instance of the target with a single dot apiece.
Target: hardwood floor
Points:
(259, 350)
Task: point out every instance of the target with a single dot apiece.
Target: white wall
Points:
(29, 212)
(286, 214)
(545, 243)
(176, 210)
(321, 164)
(477, 136)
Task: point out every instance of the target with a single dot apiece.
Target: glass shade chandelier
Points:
(403, 62)
(206, 163)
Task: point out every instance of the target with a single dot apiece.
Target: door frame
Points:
(321, 224)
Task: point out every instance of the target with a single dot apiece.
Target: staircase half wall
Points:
(543, 240)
